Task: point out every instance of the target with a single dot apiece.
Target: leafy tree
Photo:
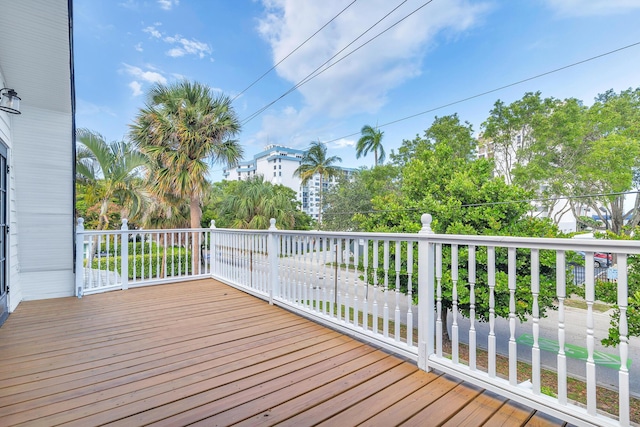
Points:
(371, 140)
(315, 162)
(108, 175)
(184, 129)
(465, 198)
(250, 204)
(510, 128)
(353, 196)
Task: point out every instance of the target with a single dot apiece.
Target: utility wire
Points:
(475, 205)
(313, 73)
(495, 90)
(292, 52)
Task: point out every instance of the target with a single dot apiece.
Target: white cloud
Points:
(153, 31)
(361, 82)
(342, 143)
(136, 88)
(568, 8)
(148, 76)
(86, 108)
(138, 47)
(187, 47)
(168, 4)
(129, 4)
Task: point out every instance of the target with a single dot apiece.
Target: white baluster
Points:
(375, 288)
(409, 293)
(346, 260)
(454, 300)
(535, 350)
(513, 348)
(398, 261)
(365, 303)
(385, 308)
(356, 264)
(472, 307)
(491, 278)
(438, 299)
(623, 328)
(591, 366)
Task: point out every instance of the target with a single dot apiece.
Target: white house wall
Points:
(35, 60)
(44, 176)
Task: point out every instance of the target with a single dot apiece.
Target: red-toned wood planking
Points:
(202, 352)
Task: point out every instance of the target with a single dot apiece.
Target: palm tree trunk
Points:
(375, 157)
(196, 216)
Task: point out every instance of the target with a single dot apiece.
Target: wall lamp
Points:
(9, 101)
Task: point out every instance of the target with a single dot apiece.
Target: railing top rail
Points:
(338, 234)
(141, 231)
(587, 245)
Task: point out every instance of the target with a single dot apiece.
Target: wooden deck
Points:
(202, 352)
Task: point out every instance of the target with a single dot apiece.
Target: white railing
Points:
(119, 259)
(364, 284)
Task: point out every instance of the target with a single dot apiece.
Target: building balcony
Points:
(234, 346)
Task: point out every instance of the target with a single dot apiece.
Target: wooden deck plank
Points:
(382, 399)
(511, 413)
(332, 387)
(232, 406)
(402, 410)
(82, 401)
(442, 409)
(479, 410)
(203, 352)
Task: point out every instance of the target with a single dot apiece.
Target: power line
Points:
(311, 75)
(475, 205)
(495, 90)
(292, 52)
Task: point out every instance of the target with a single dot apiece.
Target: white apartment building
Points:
(277, 164)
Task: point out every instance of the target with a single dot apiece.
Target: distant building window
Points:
(274, 174)
(279, 166)
(280, 173)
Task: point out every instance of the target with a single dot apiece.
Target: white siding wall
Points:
(13, 277)
(43, 163)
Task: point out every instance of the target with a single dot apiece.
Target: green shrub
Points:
(138, 246)
(178, 262)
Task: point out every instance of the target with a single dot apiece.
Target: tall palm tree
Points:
(371, 140)
(113, 172)
(184, 129)
(315, 162)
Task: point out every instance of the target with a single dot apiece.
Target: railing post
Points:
(80, 257)
(212, 246)
(124, 254)
(426, 296)
(272, 249)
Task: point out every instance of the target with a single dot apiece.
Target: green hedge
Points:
(138, 248)
(179, 257)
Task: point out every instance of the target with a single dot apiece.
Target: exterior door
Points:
(4, 234)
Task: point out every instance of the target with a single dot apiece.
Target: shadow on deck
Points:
(203, 352)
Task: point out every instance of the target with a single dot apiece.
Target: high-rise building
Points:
(277, 165)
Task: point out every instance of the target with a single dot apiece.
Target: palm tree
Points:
(250, 204)
(184, 129)
(112, 173)
(315, 162)
(371, 140)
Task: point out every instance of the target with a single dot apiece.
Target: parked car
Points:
(600, 259)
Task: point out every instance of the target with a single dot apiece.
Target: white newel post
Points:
(212, 248)
(272, 249)
(80, 257)
(426, 294)
(124, 253)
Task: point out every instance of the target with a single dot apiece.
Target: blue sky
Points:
(446, 51)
